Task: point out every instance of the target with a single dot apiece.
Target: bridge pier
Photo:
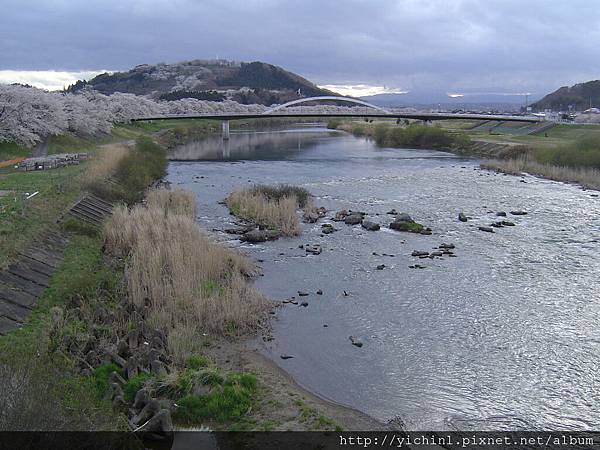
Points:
(225, 133)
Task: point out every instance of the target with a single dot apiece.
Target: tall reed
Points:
(179, 278)
(274, 208)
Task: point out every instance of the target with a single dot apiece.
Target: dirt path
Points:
(41, 149)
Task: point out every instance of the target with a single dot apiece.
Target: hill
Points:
(254, 82)
(577, 97)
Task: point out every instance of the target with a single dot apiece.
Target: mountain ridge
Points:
(578, 97)
(244, 82)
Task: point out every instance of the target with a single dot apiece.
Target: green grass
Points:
(10, 150)
(585, 152)
(76, 226)
(100, 377)
(159, 125)
(197, 362)
(229, 401)
(21, 220)
(70, 143)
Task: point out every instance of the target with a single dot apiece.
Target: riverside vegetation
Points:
(568, 153)
(575, 162)
(408, 135)
(150, 275)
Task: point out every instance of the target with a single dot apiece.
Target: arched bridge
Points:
(377, 113)
(326, 97)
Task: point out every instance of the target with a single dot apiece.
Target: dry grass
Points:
(184, 283)
(175, 201)
(587, 177)
(275, 214)
(105, 164)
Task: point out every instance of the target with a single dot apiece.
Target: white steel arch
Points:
(325, 97)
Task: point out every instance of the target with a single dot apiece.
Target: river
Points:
(504, 336)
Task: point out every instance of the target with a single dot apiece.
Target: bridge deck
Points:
(415, 116)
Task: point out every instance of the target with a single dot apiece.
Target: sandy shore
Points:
(284, 403)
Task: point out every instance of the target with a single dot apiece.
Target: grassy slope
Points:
(69, 400)
(21, 220)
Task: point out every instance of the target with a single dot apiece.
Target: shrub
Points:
(135, 384)
(126, 175)
(333, 124)
(413, 135)
(100, 377)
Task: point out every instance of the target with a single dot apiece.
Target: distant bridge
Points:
(379, 113)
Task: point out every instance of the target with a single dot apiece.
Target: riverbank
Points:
(83, 339)
(566, 153)
(418, 305)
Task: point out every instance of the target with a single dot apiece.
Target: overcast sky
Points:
(505, 46)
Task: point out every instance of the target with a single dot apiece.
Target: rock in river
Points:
(380, 267)
(501, 214)
(314, 249)
(303, 294)
(313, 214)
(370, 226)
(487, 229)
(403, 217)
(284, 356)
(255, 236)
(508, 223)
(446, 246)
(327, 228)
(353, 219)
(355, 341)
(340, 215)
(419, 253)
(409, 226)
(462, 217)
(518, 213)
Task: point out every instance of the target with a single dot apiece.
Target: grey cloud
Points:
(491, 45)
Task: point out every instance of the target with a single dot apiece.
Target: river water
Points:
(504, 336)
